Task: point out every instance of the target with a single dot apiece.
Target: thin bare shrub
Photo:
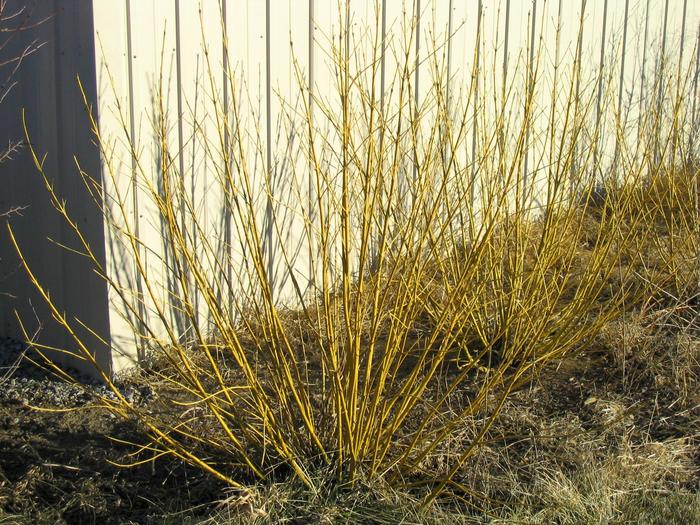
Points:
(433, 274)
(12, 26)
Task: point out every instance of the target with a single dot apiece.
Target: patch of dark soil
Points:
(55, 468)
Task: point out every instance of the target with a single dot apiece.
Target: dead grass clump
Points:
(608, 491)
(659, 348)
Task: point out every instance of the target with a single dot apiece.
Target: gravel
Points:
(22, 382)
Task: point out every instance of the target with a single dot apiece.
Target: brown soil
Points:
(54, 468)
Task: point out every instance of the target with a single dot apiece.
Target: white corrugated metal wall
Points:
(142, 44)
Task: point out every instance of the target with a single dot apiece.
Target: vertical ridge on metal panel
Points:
(530, 87)
(448, 80)
(596, 146)
(310, 184)
(623, 55)
(415, 89)
(268, 169)
(579, 52)
(660, 83)
(140, 348)
(621, 86)
(475, 81)
(680, 52)
(643, 66)
(228, 241)
(180, 140)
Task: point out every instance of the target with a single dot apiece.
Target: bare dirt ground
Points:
(54, 468)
